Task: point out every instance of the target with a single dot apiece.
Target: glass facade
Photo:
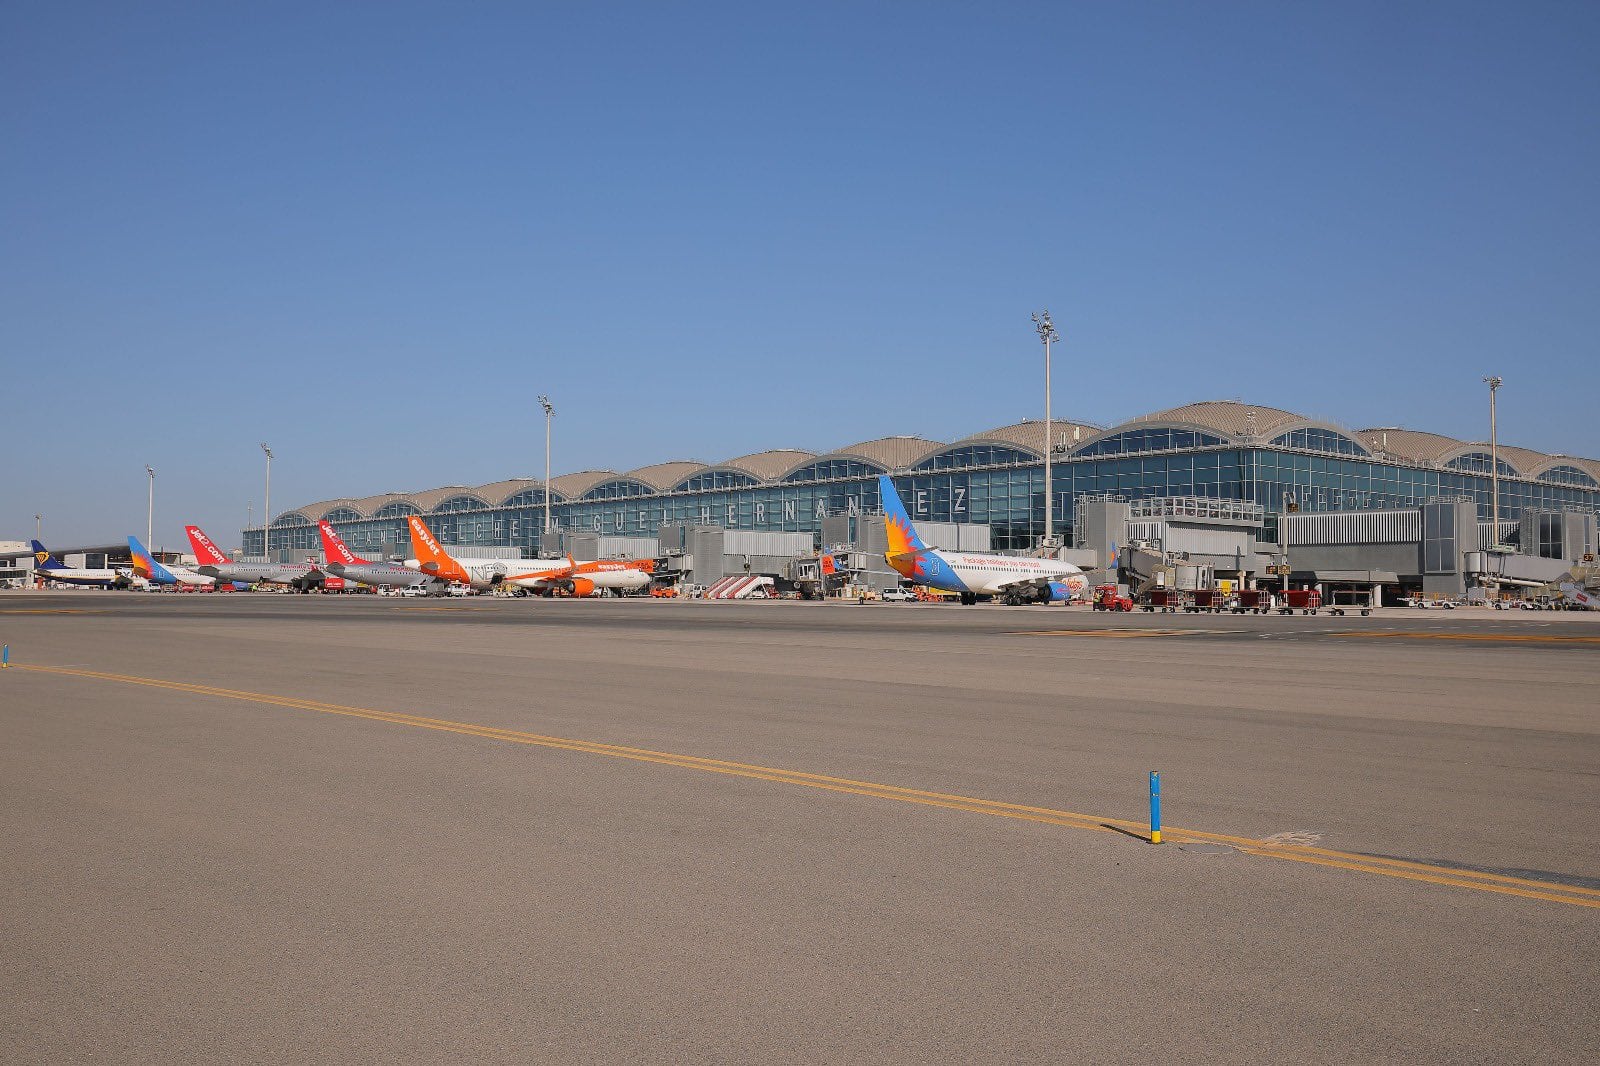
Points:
(984, 483)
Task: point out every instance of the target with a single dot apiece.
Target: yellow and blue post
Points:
(5, 656)
(1155, 806)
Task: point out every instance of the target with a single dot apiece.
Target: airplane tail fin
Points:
(430, 556)
(43, 560)
(143, 564)
(902, 534)
(334, 547)
(205, 550)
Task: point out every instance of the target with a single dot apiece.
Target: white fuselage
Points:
(184, 576)
(77, 575)
(602, 575)
(988, 574)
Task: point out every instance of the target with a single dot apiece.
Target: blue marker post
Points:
(5, 656)
(1155, 806)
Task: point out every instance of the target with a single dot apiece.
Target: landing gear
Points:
(969, 598)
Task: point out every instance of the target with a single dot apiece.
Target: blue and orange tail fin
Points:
(143, 564)
(903, 538)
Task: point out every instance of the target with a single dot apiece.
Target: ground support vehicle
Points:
(1106, 598)
(1306, 601)
(1162, 599)
(1250, 601)
(1356, 602)
(1203, 600)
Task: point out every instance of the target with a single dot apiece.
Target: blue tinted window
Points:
(619, 489)
(1568, 475)
(976, 455)
(830, 469)
(1312, 439)
(1135, 441)
(716, 479)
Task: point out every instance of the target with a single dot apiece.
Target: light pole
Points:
(266, 523)
(1047, 333)
(150, 511)
(1494, 382)
(549, 413)
(38, 524)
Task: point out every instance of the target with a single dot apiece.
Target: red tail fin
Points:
(204, 550)
(334, 548)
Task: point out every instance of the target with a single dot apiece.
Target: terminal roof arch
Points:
(1143, 438)
(1413, 444)
(1028, 435)
(1226, 418)
(448, 500)
(868, 457)
(711, 478)
(572, 486)
(499, 493)
(1562, 471)
(619, 488)
(397, 508)
(661, 477)
(1325, 437)
(768, 465)
(1476, 459)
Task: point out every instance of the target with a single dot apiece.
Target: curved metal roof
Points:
(662, 476)
(1522, 460)
(498, 492)
(1029, 434)
(571, 486)
(427, 501)
(891, 453)
(767, 465)
(315, 511)
(1413, 444)
(1227, 417)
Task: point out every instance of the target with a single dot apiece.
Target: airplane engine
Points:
(580, 586)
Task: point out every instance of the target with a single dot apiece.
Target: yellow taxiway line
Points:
(1504, 884)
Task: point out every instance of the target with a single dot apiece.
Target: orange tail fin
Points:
(430, 556)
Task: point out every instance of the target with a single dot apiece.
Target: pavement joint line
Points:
(1417, 634)
(1105, 632)
(1399, 868)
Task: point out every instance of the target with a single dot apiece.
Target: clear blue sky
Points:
(371, 234)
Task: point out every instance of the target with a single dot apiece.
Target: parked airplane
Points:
(540, 575)
(145, 566)
(345, 563)
(48, 566)
(1014, 579)
(433, 560)
(302, 577)
(583, 579)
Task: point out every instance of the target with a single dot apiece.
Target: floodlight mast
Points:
(150, 511)
(549, 413)
(1494, 381)
(1047, 333)
(266, 517)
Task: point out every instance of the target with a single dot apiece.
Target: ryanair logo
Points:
(41, 557)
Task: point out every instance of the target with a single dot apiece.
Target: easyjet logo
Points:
(425, 536)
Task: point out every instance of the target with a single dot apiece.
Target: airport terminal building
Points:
(1260, 473)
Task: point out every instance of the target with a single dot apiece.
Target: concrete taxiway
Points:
(275, 828)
